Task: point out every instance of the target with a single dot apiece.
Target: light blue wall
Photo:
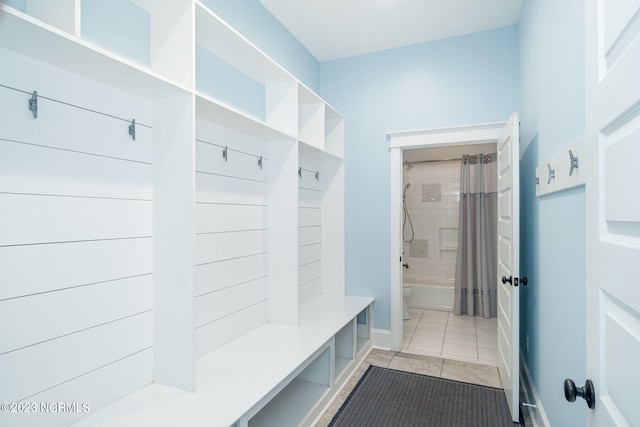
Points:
(462, 80)
(257, 24)
(551, 37)
(119, 26)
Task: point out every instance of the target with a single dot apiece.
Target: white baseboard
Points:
(536, 412)
(381, 338)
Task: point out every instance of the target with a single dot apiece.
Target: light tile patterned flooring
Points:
(443, 334)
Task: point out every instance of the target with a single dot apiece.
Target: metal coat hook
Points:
(225, 152)
(132, 129)
(33, 104)
(300, 172)
(317, 176)
(574, 162)
(552, 173)
(260, 162)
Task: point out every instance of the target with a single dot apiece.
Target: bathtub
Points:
(431, 293)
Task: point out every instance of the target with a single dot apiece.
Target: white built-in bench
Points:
(275, 375)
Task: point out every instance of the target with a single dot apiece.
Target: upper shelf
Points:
(217, 112)
(29, 36)
(215, 35)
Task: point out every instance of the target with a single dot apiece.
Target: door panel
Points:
(508, 263)
(613, 214)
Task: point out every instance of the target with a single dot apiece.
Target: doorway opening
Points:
(430, 235)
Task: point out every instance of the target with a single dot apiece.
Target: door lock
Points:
(514, 280)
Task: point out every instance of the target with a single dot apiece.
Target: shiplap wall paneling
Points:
(76, 226)
(231, 234)
(309, 224)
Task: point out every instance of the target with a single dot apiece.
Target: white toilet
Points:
(407, 291)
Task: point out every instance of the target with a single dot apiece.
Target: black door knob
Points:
(524, 281)
(588, 392)
(505, 280)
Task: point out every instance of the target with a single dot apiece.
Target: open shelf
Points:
(293, 403)
(344, 350)
(363, 330)
(215, 111)
(235, 72)
(28, 36)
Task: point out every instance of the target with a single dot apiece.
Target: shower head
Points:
(408, 165)
(404, 193)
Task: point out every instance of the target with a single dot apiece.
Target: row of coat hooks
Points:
(317, 173)
(33, 107)
(573, 164)
(562, 171)
(225, 155)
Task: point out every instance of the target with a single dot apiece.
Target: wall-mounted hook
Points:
(300, 172)
(317, 176)
(552, 173)
(574, 162)
(225, 152)
(132, 129)
(260, 162)
(33, 104)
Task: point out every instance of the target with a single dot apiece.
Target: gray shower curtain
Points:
(475, 281)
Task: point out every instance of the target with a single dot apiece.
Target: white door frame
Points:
(484, 133)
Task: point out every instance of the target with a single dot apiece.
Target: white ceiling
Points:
(332, 29)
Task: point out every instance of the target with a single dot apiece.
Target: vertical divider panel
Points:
(172, 38)
(333, 227)
(282, 238)
(334, 132)
(311, 118)
(282, 106)
(174, 244)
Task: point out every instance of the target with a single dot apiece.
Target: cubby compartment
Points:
(36, 37)
(292, 404)
(344, 348)
(311, 118)
(231, 71)
(59, 14)
(334, 132)
(363, 330)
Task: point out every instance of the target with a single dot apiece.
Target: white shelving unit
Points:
(189, 250)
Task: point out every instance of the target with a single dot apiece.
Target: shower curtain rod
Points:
(487, 157)
(406, 162)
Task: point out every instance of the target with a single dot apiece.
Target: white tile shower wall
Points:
(434, 221)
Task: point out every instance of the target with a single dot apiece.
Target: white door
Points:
(508, 262)
(613, 210)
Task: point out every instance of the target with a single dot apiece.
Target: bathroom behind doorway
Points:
(431, 197)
